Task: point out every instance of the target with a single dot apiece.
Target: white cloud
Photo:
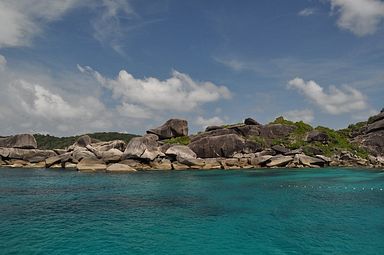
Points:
(305, 115)
(23, 19)
(361, 17)
(306, 12)
(107, 27)
(336, 101)
(134, 111)
(178, 94)
(214, 121)
(3, 62)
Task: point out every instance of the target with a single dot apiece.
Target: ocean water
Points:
(270, 211)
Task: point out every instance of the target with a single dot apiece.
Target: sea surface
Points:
(269, 211)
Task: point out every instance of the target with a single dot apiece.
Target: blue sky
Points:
(76, 66)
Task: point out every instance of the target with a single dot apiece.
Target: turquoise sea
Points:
(271, 211)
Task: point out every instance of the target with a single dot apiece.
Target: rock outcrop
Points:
(23, 141)
(145, 147)
(171, 128)
(238, 146)
(217, 146)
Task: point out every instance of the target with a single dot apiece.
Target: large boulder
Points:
(250, 121)
(91, 165)
(317, 136)
(373, 142)
(215, 132)
(247, 130)
(279, 161)
(171, 128)
(375, 118)
(81, 153)
(145, 147)
(217, 146)
(119, 168)
(112, 155)
(30, 155)
(180, 151)
(309, 161)
(23, 141)
(106, 146)
(375, 126)
(83, 141)
(272, 131)
(210, 128)
(62, 158)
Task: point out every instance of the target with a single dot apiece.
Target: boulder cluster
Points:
(246, 145)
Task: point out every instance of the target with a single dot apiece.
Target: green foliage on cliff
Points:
(353, 129)
(338, 140)
(49, 142)
(183, 140)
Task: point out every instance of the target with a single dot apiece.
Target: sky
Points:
(70, 67)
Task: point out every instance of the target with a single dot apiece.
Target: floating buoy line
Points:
(326, 187)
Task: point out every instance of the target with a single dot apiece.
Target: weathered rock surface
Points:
(216, 132)
(250, 121)
(309, 161)
(375, 126)
(30, 155)
(272, 131)
(161, 164)
(280, 149)
(136, 164)
(106, 146)
(210, 128)
(375, 118)
(247, 130)
(81, 153)
(212, 163)
(179, 166)
(181, 151)
(217, 146)
(112, 155)
(22, 141)
(58, 159)
(119, 168)
(260, 160)
(317, 136)
(279, 160)
(145, 147)
(171, 128)
(83, 141)
(91, 165)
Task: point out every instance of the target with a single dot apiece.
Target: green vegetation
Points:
(183, 140)
(48, 142)
(258, 139)
(353, 129)
(338, 140)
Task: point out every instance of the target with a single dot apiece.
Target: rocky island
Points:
(281, 143)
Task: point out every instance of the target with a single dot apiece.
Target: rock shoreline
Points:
(241, 146)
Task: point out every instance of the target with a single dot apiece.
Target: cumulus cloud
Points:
(214, 121)
(180, 93)
(361, 17)
(336, 101)
(306, 12)
(305, 115)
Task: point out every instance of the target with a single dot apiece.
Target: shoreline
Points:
(246, 145)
